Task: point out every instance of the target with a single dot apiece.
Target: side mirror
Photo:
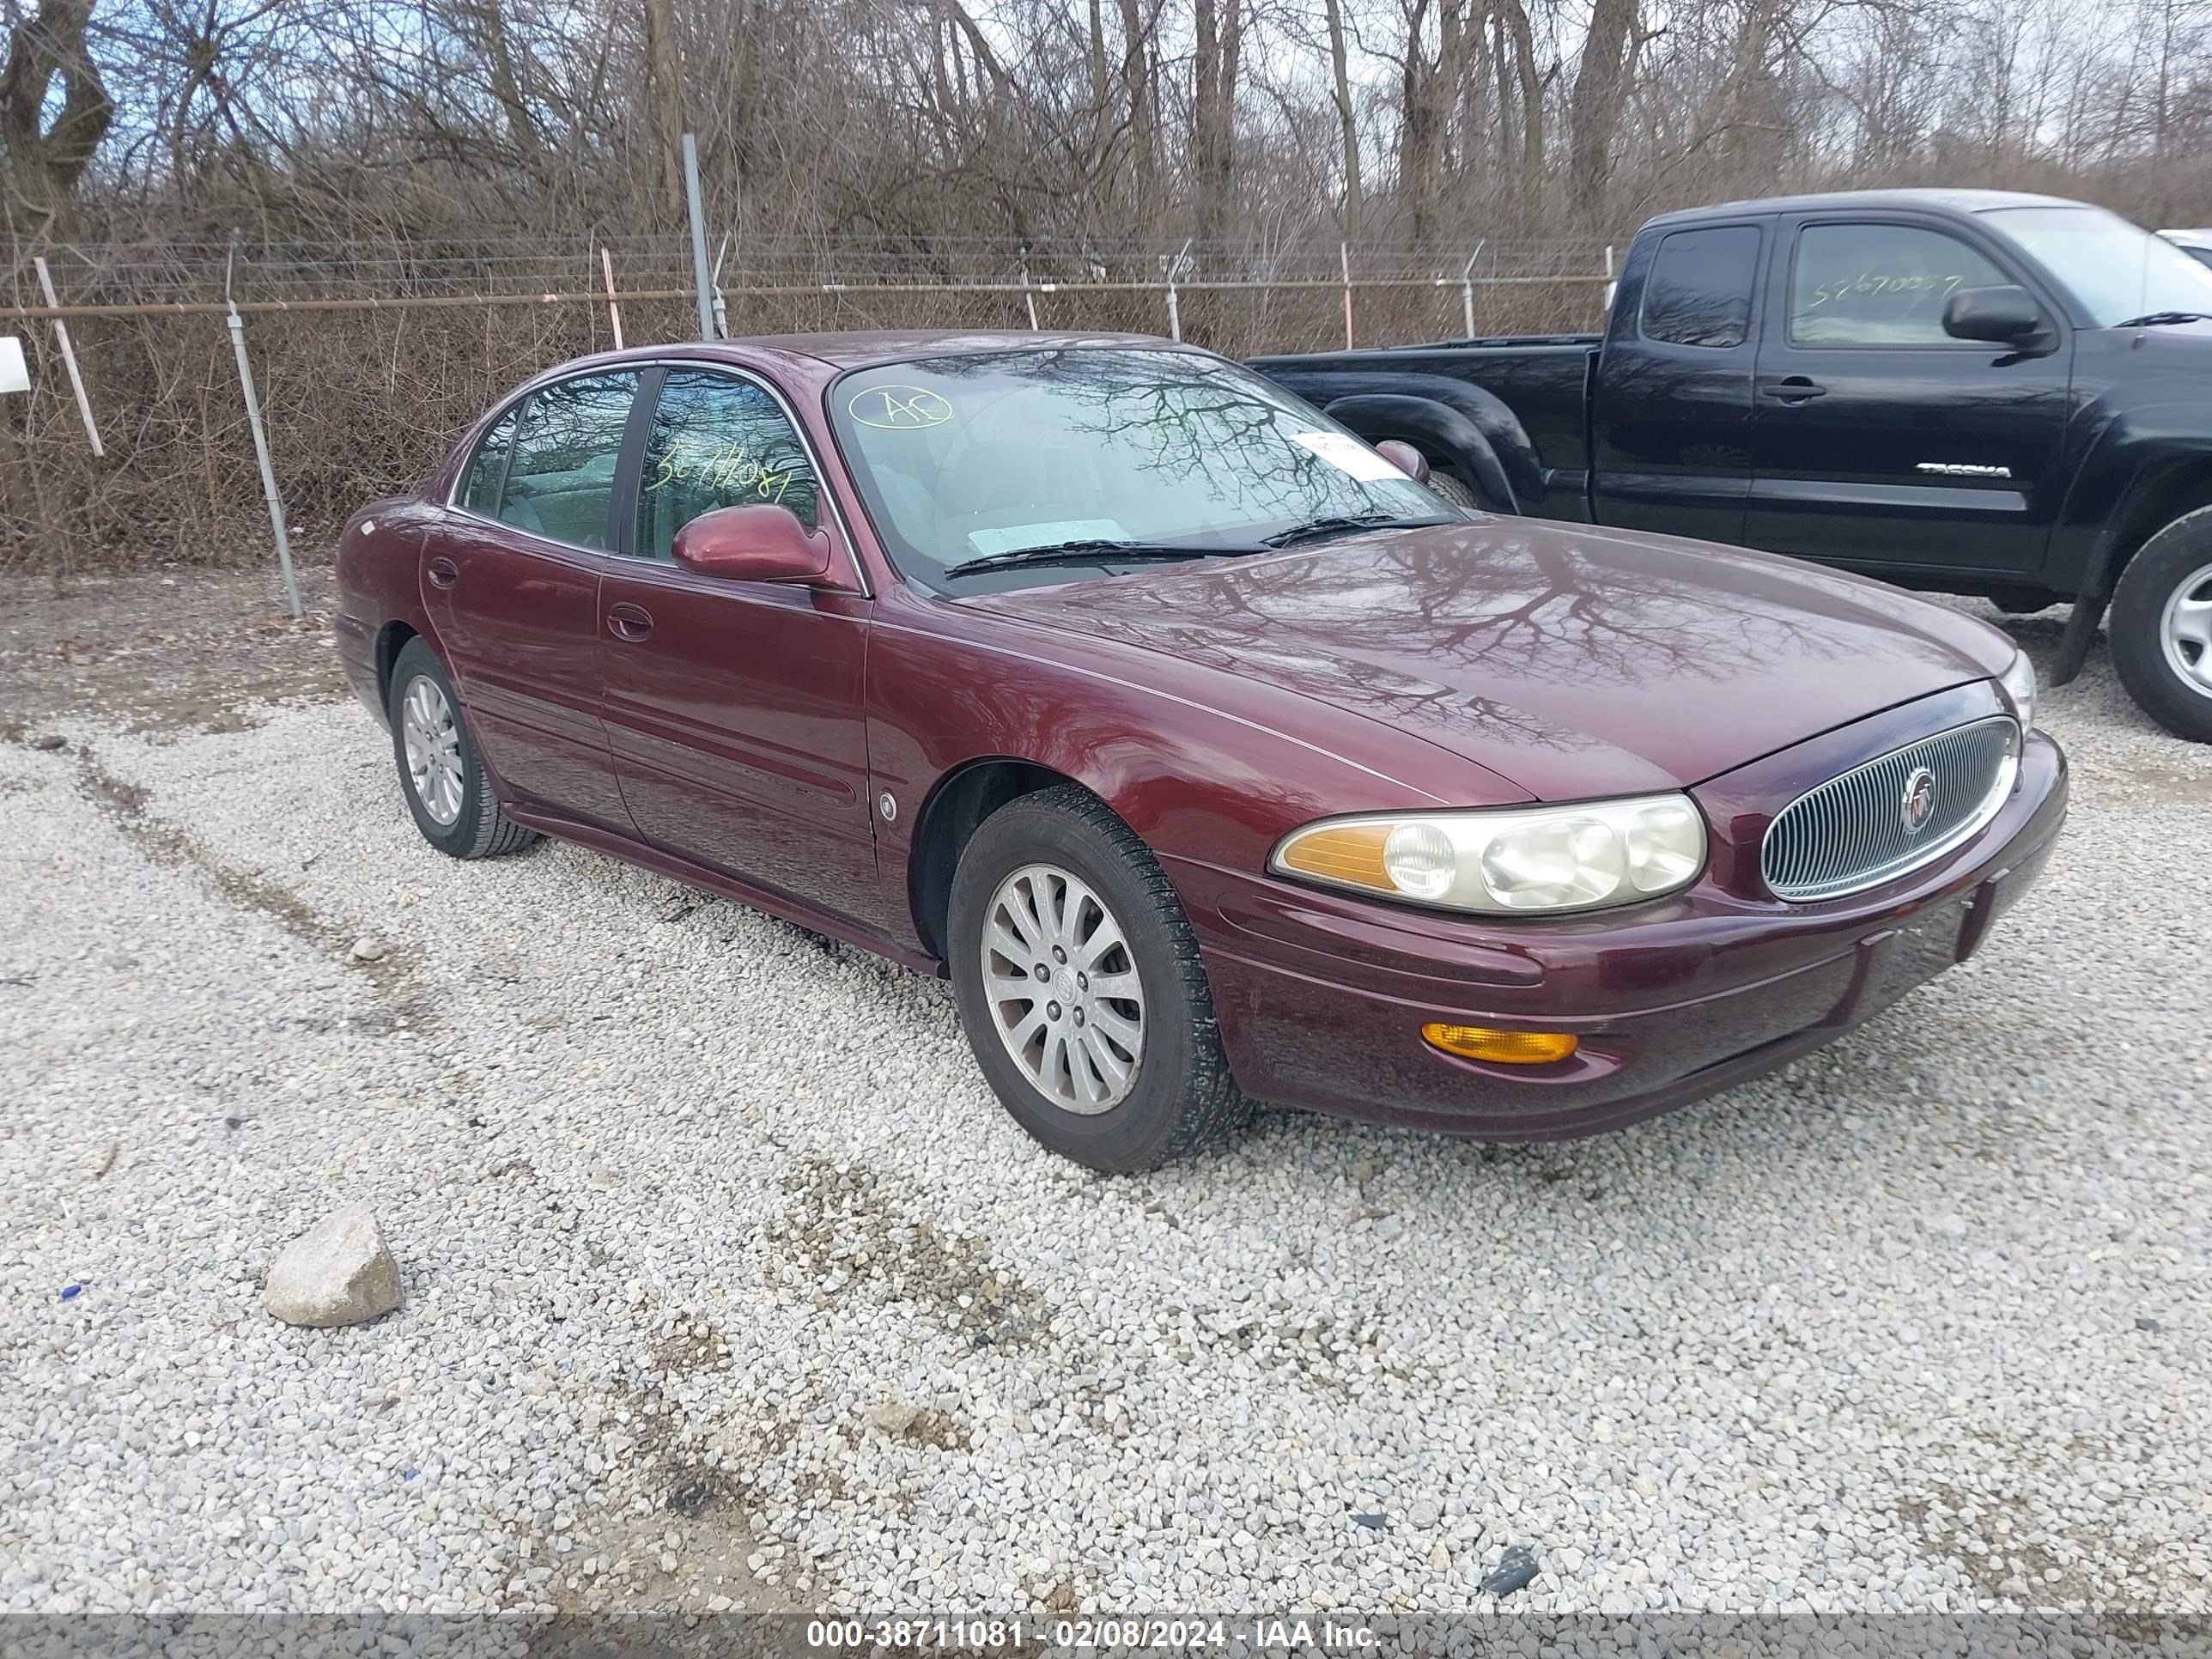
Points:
(758, 542)
(1407, 459)
(2003, 316)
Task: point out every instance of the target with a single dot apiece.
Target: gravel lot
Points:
(727, 1278)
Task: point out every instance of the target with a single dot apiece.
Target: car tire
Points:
(1455, 489)
(2160, 627)
(1056, 1072)
(447, 790)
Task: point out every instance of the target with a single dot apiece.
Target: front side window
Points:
(970, 457)
(1699, 292)
(480, 490)
(716, 441)
(1879, 285)
(561, 478)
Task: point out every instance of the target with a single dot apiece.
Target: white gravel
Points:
(726, 1278)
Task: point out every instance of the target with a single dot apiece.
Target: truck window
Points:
(1699, 292)
(1879, 285)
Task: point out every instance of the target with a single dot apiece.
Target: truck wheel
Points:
(1453, 489)
(2160, 627)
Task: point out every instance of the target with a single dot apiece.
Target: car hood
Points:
(1574, 662)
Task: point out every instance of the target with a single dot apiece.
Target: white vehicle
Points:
(2197, 244)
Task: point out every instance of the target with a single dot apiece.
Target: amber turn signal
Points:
(1351, 854)
(1505, 1048)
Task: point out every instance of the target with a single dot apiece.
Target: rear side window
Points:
(1699, 292)
(480, 493)
(1879, 285)
(563, 476)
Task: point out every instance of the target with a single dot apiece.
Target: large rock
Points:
(337, 1273)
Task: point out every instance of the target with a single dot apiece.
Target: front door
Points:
(512, 587)
(1879, 441)
(733, 708)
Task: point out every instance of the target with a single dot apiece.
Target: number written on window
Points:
(1879, 285)
(717, 442)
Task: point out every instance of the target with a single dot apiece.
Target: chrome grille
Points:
(1851, 831)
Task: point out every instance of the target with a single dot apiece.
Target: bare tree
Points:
(48, 147)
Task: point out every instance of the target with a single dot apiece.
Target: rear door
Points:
(511, 588)
(1670, 424)
(1880, 441)
(733, 708)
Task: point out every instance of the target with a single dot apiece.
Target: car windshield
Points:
(967, 458)
(2116, 269)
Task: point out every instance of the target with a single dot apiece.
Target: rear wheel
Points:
(1080, 986)
(2160, 627)
(447, 787)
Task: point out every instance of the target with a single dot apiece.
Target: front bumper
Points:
(1320, 999)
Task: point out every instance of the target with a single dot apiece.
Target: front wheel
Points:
(1079, 983)
(2160, 627)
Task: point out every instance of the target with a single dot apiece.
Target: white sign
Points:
(1348, 455)
(15, 374)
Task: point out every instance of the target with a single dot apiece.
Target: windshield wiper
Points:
(1343, 524)
(2161, 319)
(1092, 551)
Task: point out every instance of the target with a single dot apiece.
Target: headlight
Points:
(2018, 684)
(1515, 859)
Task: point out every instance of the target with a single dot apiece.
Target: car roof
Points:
(1958, 201)
(860, 349)
(820, 358)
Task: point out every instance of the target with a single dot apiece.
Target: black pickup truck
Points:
(1971, 391)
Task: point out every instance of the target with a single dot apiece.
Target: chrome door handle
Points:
(629, 621)
(442, 572)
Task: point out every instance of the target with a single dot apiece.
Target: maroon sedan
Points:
(1210, 755)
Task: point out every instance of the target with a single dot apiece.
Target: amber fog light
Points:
(1505, 1048)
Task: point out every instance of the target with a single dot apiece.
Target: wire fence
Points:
(136, 443)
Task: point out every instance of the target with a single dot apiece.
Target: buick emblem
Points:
(1918, 805)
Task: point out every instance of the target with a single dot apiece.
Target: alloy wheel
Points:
(2185, 630)
(432, 739)
(1063, 988)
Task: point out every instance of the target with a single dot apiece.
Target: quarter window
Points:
(562, 477)
(480, 494)
(1879, 285)
(717, 441)
(1699, 292)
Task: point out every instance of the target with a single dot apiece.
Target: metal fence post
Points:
(1029, 298)
(69, 357)
(722, 305)
(1466, 286)
(700, 279)
(261, 443)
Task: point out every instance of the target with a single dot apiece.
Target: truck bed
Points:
(1544, 379)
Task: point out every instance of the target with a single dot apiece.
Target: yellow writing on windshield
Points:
(899, 408)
